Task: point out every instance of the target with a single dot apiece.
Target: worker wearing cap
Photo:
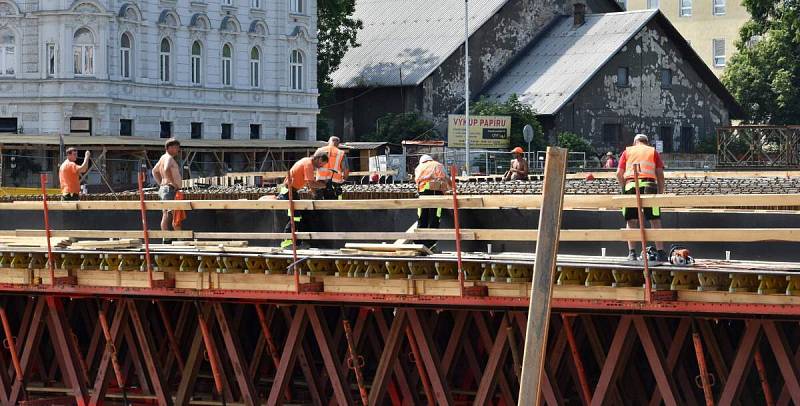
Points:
(610, 162)
(519, 166)
(431, 179)
(334, 172)
(69, 174)
(651, 181)
(302, 175)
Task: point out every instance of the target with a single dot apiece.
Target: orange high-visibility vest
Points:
(335, 162)
(645, 156)
(428, 171)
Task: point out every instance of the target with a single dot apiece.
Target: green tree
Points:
(336, 33)
(575, 143)
(394, 128)
(521, 114)
(764, 74)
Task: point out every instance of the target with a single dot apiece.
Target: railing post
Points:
(294, 235)
(648, 283)
(457, 226)
(50, 260)
(145, 232)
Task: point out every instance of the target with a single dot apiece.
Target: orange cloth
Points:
(335, 160)
(68, 177)
(178, 215)
(645, 156)
(428, 171)
(302, 171)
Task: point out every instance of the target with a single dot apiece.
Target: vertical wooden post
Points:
(543, 270)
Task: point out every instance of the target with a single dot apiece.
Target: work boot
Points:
(633, 256)
(662, 256)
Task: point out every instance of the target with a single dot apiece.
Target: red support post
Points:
(457, 226)
(769, 399)
(12, 347)
(420, 368)
(648, 288)
(50, 260)
(173, 343)
(212, 354)
(271, 347)
(294, 235)
(113, 351)
(146, 235)
(576, 358)
(355, 362)
(703, 368)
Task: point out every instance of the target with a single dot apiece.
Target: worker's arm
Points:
(85, 166)
(660, 180)
(621, 177)
(345, 168)
(157, 172)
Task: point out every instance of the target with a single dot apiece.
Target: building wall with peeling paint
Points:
(492, 48)
(680, 114)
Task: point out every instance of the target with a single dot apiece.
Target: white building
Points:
(205, 69)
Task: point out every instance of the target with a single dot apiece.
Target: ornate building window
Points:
(255, 68)
(227, 61)
(125, 46)
(296, 6)
(197, 58)
(83, 50)
(165, 60)
(51, 59)
(8, 53)
(296, 70)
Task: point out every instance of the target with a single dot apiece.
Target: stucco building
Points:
(200, 69)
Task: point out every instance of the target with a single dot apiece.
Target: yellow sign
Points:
(484, 131)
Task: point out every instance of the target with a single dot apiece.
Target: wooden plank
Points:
(543, 273)
(389, 247)
(696, 174)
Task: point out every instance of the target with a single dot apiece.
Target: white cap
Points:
(425, 158)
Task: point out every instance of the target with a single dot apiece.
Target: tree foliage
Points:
(336, 33)
(575, 143)
(394, 128)
(521, 114)
(764, 75)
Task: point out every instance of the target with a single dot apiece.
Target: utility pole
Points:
(466, 82)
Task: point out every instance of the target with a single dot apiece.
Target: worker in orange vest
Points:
(302, 175)
(69, 174)
(334, 172)
(431, 179)
(651, 181)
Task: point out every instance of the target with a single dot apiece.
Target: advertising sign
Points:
(485, 132)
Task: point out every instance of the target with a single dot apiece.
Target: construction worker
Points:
(334, 172)
(651, 181)
(69, 174)
(610, 163)
(519, 166)
(302, 175)
(167, 174)
(431, 179)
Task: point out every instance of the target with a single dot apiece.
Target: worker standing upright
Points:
(167, 174)
(651, 181)
(302, 175)
(431, 179)
(334, 172)
(69, 174)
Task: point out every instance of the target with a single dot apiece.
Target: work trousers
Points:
(429, 218)
(302, 218)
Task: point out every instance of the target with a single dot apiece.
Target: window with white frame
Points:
(83, 52)
(227, 56)
(686, 8)
(227, 2)
(296, 6)
(165, 56)
(296, 70)
(255, 67)
(125, 56)
(197, 57)
(718, 46)
(719, 7)
(255, 4)
(51, 59)
(652, 4)
(8, 53)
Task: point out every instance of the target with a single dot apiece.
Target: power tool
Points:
(680, 256)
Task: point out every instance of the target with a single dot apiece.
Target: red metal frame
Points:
(145, 231)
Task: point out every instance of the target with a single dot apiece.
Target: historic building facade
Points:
(203, 69)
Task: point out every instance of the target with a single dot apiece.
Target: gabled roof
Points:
(404, 41)
(564, 59)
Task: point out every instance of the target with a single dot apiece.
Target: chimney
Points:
(579, 14)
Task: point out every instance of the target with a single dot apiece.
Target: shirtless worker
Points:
(519, 166)
(167, 174)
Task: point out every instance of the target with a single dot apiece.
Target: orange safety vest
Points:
(427, 172)
(335, 161)
(645, 156)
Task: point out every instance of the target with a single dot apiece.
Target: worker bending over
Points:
(69, 174)
(519, 166)
(651, 181)
(431, 179)
(334, 172)
(302, 175)
(167, 174)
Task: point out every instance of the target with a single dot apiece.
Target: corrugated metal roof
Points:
(565, 58)
(409, 36)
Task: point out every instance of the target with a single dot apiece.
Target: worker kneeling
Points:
(431, 179)
(651, 181)
(301, 175)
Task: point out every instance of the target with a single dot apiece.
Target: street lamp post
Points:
(466, 82)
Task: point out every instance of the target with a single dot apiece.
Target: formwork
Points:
(223, 323)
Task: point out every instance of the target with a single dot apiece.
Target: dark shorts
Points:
(650, 213)
(70, 197)
(167, 192)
